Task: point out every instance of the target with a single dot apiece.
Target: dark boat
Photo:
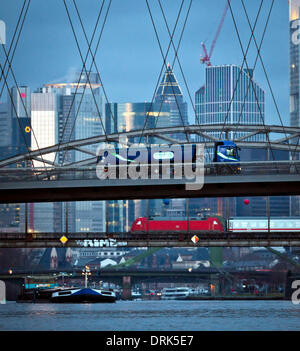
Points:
(36, 295)
(79, 295)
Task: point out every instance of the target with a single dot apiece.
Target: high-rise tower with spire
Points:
(169, 92)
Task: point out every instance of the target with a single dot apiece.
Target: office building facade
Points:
(294, 18)
(63, 112)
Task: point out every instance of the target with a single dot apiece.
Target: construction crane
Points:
(206, 58)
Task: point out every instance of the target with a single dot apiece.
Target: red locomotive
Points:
(181, 225)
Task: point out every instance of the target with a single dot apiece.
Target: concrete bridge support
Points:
(126, 294)
(2, 292)
(13, 288)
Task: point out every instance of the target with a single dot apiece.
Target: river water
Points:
(152, 316)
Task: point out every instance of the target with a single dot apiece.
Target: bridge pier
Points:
(13, 288)
(126, 283)
(215, 285)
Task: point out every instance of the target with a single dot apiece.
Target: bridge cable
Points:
(164, 61)
(256, 59)
(241, 69)
(266, 74)
(80, 77)
(175, 51)
(177, 58)
(13, 39)
(77, 85)
(21, 99)
(93, 55)
(251, 80)
(164, 58)
(84, 66)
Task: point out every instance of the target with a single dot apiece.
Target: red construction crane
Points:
(206, 58)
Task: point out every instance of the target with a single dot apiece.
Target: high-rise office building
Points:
(294, 62)
(15, 135)
(231, 96)
(170, 93)
(126, 117)
(61, 112)
(294, 17)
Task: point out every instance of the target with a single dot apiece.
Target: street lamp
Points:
(86, 271)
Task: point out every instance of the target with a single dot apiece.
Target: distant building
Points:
(126, 117)
(61, 112)
(230, 95)
(15, 139)
(170, 93)
(294, 82)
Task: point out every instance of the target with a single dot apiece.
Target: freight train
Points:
(214, 224)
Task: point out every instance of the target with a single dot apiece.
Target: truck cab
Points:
(227, 154)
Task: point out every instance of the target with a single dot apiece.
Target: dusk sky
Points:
(129, 59)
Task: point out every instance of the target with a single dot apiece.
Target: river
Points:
(152, 316)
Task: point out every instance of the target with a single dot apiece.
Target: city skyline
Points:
(121, 56)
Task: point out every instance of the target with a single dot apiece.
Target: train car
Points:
(260, 224)
(145, 155)
(176, 224)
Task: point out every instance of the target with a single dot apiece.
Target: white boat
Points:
(179, 293)
(79, 295)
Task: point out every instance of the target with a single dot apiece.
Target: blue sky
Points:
(129, 59)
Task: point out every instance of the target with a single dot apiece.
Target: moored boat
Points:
(80, 295)
(179, 293)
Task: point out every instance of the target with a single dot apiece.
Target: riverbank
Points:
(234, 298)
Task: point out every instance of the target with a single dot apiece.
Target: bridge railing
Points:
(184, 236)
(8, 175)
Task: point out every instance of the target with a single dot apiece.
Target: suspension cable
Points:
(241, 68)
(177, 58)
(164, 62)
(84, 68)
(255, 63)
(251, 80)
(77, 86)
(13, 39)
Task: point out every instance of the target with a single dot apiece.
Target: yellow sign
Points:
(63, 239)
(27, 129)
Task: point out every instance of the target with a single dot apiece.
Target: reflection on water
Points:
(152, 315)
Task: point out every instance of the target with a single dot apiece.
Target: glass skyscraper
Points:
(231, 96)
(169, 92)
(60, 115)
(126, 117)
(15, 135)
(294, 82)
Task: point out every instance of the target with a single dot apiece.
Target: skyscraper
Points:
(294, 62)
(231, 96)
(294, 82)
(126, 117)
(67, 111)
(15, 135)
(169, 92)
